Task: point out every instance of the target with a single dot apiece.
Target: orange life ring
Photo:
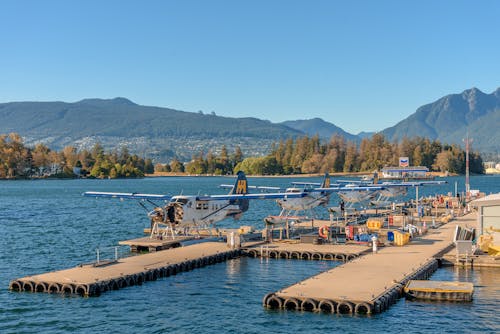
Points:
(323, 232)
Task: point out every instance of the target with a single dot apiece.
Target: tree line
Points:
(310, 155)
(20, 161)
(291, 156)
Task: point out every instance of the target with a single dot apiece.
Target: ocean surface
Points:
(47, 225)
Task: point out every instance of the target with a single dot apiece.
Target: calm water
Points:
(48, 225)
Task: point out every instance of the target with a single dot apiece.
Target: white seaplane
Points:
(379, 194)
(309, 198)
(313, 196)
(182, 212)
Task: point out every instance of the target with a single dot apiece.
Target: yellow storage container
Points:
(374, 224)
(494, 250)
(245, 229)
(484, 242)
(401, 238)
(445, 219)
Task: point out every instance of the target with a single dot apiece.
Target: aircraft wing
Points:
(126, 195)
(341, 181)
(433, 182)
(230, 186)
(411, 184)
(353, 188)
(306, 184)
(252, 196)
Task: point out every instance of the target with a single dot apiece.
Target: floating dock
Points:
(94, 279)
(371, 283)
(440, 290)
(365, 283)
(154, 244)
(303, 251)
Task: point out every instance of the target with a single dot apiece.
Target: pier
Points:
(371, 283)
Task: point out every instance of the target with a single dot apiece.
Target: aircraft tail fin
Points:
(326, 181)
(241, 185)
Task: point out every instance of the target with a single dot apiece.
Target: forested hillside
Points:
(159, 133)
(310, 155)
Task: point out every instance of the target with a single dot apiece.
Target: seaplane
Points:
(378, 194)
(382, 197)
(183, 213)
(394, 189)
(311, 196)
(300, 197)
(312, 199)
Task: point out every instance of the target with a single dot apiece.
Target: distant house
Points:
(409, 172)
(55, 168)
(491, 167)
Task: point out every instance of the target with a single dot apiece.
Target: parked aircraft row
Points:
(188, 211)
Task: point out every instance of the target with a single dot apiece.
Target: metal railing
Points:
(110, 254)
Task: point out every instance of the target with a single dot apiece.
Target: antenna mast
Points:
(467, 141)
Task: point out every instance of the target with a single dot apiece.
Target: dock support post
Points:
(416, 202)
(374, 244)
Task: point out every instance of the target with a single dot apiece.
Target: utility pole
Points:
(467, 141)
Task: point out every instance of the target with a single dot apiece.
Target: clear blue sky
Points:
(362, 65)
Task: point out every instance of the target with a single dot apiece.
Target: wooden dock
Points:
(370, 283)
(92, 279)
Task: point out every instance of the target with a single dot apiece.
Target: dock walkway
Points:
(92, 280)
(370, 283)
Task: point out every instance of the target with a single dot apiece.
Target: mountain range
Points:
(451, 117)
(162, 133)
(323, 129)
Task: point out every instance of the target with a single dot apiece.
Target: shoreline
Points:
(344, 174)
(172, 174)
